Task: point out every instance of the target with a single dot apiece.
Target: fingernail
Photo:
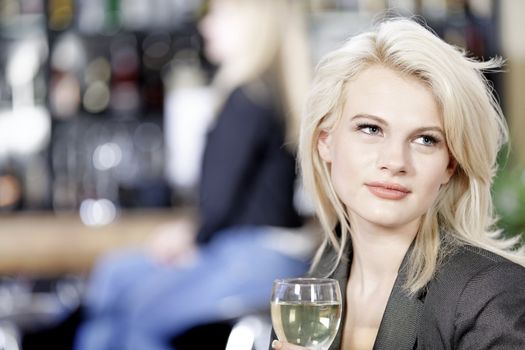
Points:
(276, 344)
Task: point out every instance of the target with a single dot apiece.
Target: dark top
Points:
(475, 301)
(248, 174)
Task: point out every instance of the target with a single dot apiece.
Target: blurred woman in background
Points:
(221, 266)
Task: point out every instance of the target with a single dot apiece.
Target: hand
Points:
(173, 243)
(279, 345)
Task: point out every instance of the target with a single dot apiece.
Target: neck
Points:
(378, 253)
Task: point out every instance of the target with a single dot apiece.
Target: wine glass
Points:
(306, 311)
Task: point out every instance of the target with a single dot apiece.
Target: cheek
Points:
(433, 179)
(346, 171)
(353, 156)
(222, 39)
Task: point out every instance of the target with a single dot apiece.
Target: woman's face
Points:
(222, 30)
(387, 154)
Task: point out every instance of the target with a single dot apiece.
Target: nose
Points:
(394, 157)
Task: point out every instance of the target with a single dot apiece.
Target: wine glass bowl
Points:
(306, 311)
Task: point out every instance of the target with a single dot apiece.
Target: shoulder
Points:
(328, 264)
(482, 276)
(326, 260)
(467, 265)
(472, 270)
(241, 119)
(244, 102)
(476, 295)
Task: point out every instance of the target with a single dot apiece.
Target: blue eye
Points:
(369, 129)
(427, 140)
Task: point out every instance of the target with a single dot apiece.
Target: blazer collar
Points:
(399, 325)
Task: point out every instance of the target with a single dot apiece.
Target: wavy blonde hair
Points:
(276, 49)
(474, 126)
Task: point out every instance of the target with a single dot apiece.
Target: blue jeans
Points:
(135, 304)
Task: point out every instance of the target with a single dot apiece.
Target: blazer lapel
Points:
(400, 323)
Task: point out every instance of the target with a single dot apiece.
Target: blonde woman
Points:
(221, 266)
(398, 149)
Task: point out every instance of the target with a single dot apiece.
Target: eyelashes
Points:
(370, 129)
(425, 139)
(428, 140)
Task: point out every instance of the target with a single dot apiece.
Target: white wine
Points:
(309, 324)
(306, 311)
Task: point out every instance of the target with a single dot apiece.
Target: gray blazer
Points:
(475, 301)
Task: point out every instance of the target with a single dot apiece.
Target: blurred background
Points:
(104, 106)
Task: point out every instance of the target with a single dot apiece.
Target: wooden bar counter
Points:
(48, 244)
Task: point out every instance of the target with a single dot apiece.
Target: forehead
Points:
(394, 97)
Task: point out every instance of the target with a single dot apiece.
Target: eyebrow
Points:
(383, 122)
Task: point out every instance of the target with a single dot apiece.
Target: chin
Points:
(392, 225)
(388, 219)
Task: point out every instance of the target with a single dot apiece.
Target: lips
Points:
(386, 190)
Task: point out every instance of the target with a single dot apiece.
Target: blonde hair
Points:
(474, 126)
(275, 49)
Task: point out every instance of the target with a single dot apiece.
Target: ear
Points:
(451, 169)
(324, 144)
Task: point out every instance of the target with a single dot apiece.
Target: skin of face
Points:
(387, 154)
(222, 31)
